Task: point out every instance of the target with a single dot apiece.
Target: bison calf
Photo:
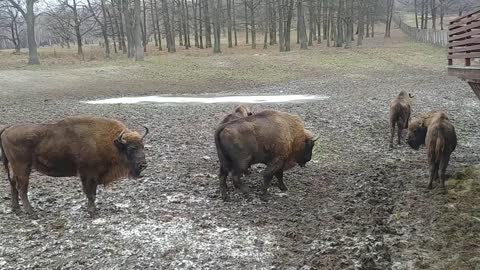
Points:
(99, 150)
(274, 138)
(400, 110)
(240, 111)
(435, 130)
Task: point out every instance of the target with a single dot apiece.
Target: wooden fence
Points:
(464, 49)
(435, 37)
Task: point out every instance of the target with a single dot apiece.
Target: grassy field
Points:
(195, 69)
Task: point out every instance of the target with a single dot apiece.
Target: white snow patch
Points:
(190, 243)
(222, 99)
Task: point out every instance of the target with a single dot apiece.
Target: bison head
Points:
(130, 145)
(416, 133)
(306, 155)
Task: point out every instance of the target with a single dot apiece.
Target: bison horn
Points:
(146, 131)
(120, 137)
(316, 138)
(411, 96)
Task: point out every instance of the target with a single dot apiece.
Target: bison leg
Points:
(238, 182)
(443, 169)
(272, 169)
(14, 191)
(90, 189)
(399, 132)
(433, 174)
(22, 187)
(392, 133)
(281, 184)
(223, 183)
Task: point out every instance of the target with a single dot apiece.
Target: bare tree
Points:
(28, 14)
(340, 18)
(349, 23)
(139, 52)
(12, 22)
(217, 8)
(168, 27)
(229, 23)
(102, 23)
(301, 23)
(390, 5)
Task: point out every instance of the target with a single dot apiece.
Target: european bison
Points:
(240, 111)
(400, 110)
(99, 150)
(274, 138)
(434, 130)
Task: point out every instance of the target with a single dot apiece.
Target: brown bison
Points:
(99, 150)
(274, 138)
(400, 110)
(240, 111)
(435, 130)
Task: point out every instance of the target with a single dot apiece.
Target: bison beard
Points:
(274, 138)
(99, 150)
(435, 130)
(400, 110)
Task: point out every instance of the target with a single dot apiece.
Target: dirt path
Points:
(357, 205)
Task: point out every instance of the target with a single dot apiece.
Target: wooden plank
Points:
(464, 29)
(475, 48)
(466, 73)
(470, 41)
(464, 16)
(464, 55)
(475, 17)
(474, 32)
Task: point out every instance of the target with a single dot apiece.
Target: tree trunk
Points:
(168, 28)
(157, 23)
(340, 17)
(349, 22)
(117, 26)
(195, 23)
(289, 24)
(361, 22)
(187, 24)
(246, 21)
(416, 13)
(434, 13)
(139, 52)
(426, 13)
(216, 25)
(229, 23)
(104, 29)
(390, 5)
(154, 26)
(112, 28)
(319, 21)
(208, 26)
(200, 8)
(254, 30)
(302, 28)
(234, 24)
(122, 26)
(267, 21)
(281, 37)
(442, 13)
(32, 44)
(326, 18)
(312, 34)
(128, 22)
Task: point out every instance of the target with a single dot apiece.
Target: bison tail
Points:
(3, 157)
(439, 148)
(222, 155)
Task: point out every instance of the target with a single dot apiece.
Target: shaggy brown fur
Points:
(240, 111)
(400, 111)
(99, 150)
(435, 130)
(274, 138)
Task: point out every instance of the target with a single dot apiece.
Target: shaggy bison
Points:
(240, 111)
(400, 110)
(99, 150)
(434, 130)
(274, 138)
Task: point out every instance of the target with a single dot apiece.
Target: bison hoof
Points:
(283, 187)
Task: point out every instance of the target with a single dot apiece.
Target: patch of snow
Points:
(222, 99)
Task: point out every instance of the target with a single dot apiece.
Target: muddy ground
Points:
(357, 204)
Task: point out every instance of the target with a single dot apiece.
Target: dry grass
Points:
(197, 69)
